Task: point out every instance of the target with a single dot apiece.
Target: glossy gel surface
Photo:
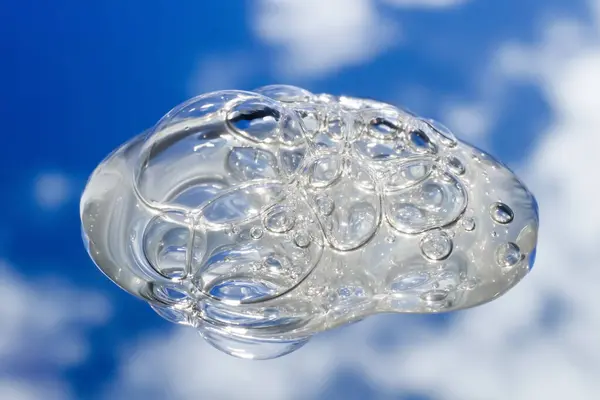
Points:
(261, 218)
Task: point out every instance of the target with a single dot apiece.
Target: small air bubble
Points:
(446, 135)
(508, 255)
(501, 213)
(301, 239)
(274, 264)
(454, 165)
(420, 142)
(256, 232)
(382, 128)
(436, 246)
(468, 224)
(255, 120)
(435, 296)
(280, 220)
(409, 281)
(324, 204)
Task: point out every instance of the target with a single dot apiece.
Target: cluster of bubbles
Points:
(261, 218)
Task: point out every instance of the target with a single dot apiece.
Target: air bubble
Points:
(171, 294)
(501, 213)
(285, 93)
(361, 177)
(436, 246)
(241, 204)
(274, 264)
(248, 347)
(302, 239)
(407, 213)
(256, 232)
(291, 131)
(255, 120)
(377, 150)
(434, 296)
(310, 119)
(354, 218)
(468, 224)
(336, 127)
(454, 165)
(508, 255)
(247, 163)
(407, 175)
(173, 315)
(166, 240)
(415, 172)
(432, 195)
(446, 136)
(324, 205)
(383, 128)
(437, 201)
(409, 281)
(280, 219)
(195, 194)
(420, 142)
(324, 171)
(243, 290)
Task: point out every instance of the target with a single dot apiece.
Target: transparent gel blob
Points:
(261, 218)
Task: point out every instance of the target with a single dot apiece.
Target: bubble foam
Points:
(261, 218)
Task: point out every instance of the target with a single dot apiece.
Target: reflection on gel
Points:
(261, 218)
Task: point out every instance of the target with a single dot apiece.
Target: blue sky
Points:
(518, 78)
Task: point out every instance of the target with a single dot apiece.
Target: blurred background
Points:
(521, 79)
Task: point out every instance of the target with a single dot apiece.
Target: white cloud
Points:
(318, 37)
(471, 121)
(315, 38)
(499, 351)
(311, 38)
(44, 327)
(52, 190)
(189, 369)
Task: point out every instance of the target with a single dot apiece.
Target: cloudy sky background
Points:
(520, 79)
